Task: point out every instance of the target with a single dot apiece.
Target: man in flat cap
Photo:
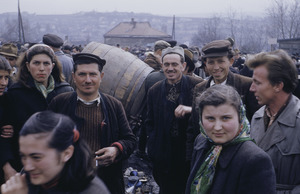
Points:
(154, 60)
(100, 119)
(10, 52)
(168, 110)
(55, 42)
(218, 57)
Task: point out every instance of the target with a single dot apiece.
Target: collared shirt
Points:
(90, 102)
(269, 118)
(213, 82)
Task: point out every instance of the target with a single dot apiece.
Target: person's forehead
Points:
(216, 58)
(3, 72)
(89, 66)
(172, 56)
(39, 141)
(261, 70)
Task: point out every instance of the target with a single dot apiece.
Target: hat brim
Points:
(8, 54)
(218, 54)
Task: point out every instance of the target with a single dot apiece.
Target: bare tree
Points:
(208, 31)
(10, 30)
(284, 18)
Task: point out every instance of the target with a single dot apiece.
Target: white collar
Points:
(92, 101)
(212, 82)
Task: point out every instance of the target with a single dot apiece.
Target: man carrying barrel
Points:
(100, 119)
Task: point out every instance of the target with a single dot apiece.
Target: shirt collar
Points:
(90, 102)
(212, 82)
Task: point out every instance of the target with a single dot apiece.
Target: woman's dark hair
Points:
(24, 74)
(78, 170)
(219, 95)
(4, 64)
(280, 66)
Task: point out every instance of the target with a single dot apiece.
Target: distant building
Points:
(292, 46)
(134, 34)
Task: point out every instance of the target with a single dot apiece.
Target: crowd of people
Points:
(214, 122)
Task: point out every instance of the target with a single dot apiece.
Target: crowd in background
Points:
(190, 92)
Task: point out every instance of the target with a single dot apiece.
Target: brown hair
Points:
(24, 74)
(280, 68)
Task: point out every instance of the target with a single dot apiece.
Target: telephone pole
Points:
(173, 28)
(20, 25)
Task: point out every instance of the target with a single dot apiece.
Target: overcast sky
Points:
(157, 7)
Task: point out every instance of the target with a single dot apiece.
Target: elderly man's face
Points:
(173, 67)
(263, 90)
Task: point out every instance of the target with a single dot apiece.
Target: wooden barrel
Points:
(124, 76)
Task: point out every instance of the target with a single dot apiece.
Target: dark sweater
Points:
(114, 128)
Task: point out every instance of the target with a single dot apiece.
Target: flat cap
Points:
(160, 45)
(9, 49)
(173, 50)
(217, 48)
(86, 58)
(172, 42)
(53, 40)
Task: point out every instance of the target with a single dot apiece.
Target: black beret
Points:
(87, 58)
(53, 40)
(217, 48)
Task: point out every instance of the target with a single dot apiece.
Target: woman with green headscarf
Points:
(225, 159)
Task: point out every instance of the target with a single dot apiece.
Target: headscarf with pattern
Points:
(205, 175)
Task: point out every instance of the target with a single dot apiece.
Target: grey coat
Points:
(282, 142)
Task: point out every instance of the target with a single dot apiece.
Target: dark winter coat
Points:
(160, 114)
(115, 129)
(241, 168)
(241, 84)
(282, 142)
(22, 103)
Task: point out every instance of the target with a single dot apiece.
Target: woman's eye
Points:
(209, 118)
(226, 118)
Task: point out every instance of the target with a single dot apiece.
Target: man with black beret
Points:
(100, 119)
(218, 57)
(55, 42)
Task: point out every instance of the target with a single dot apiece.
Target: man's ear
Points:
(279, 87)
(184, 66)
(231, 61)
(73, 76)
